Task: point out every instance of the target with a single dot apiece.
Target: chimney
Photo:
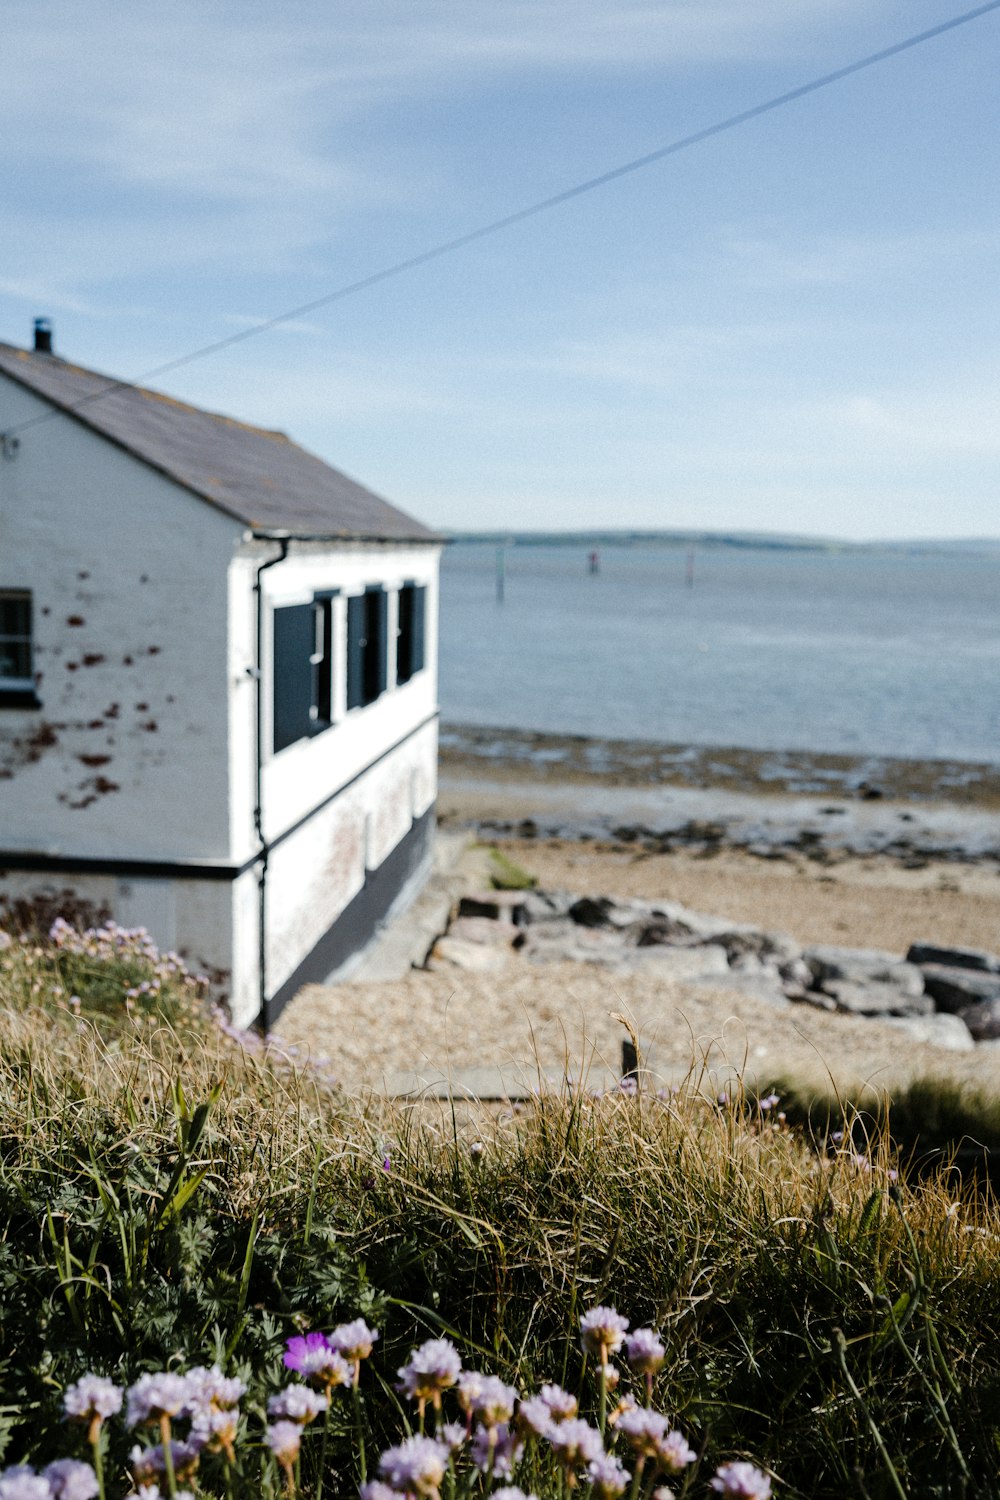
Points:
(43, 336)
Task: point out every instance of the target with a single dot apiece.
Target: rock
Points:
(983, 1019)
(775, 946)
(797, 973)
(877, 999)
(665, 932)
(707, 962)
(863, 966)
(479, 958)
(544, 906)
(592, 911)
(953, 958)
(948, 1032)
(484, 930)
(759, 986)
(955, 988)
(563, 941)
(498, 905)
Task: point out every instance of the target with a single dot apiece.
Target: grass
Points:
(170, 1195)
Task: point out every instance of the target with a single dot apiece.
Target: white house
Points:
(218, 682)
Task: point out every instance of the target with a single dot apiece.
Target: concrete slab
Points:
(410, 930)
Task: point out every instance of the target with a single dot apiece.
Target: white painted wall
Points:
(306, 773)
(127, 756)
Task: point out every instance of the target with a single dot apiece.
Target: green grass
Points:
(169, 1196)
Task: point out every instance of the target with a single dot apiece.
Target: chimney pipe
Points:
(43, 336)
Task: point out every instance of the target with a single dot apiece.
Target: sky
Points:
(794, 326)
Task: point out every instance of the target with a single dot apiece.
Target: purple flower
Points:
(644, 1351)
(376, 1490)
(608, 1477)
(535, 1416)
(22, 1483)
(575, 1441)
(297, 1403)
(741, 1481)
(71, 1480)
(92, 1396)
(674, 1452)
(511, 1492)
(452, 1434)
(210, 1388)
(489, 1399)
(768, 1103)
(602, 1331)
(497, 1448)
(560, 1403)
(284, 1440)
(643, 1430)
(312, 1356)
(417, 1465)
(430, 1370)
(354, 1340)
(147, 1463)
(154, 1396)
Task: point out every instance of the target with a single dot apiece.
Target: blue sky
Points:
(793, 327)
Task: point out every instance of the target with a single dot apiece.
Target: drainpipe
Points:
(263, 850)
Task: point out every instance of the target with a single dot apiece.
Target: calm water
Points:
(870, 653)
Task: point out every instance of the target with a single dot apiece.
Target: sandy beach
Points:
(840, 886)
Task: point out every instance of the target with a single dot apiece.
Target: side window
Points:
(367, 639)
(410, 640)
(303, 671)
(17, 683)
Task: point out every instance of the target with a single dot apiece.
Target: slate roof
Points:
(260, 478)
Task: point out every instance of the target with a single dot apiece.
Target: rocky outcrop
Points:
(949, 997)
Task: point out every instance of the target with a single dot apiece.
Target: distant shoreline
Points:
(732, 540)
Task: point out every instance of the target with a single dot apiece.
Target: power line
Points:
(495, 226)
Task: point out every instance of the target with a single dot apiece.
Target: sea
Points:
(868, 652)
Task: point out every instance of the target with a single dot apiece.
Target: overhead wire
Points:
(529, 211)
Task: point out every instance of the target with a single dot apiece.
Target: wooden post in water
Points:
(501, 571)
(689, 571)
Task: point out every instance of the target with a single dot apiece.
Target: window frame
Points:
(367, 646)
(411, 631)
(19, 691)
(305, 706)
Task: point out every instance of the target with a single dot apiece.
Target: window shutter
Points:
(376, 672)
(417, 630)
(357, 621)
(294, 637)
(404, 636)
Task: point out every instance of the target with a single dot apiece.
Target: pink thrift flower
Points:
(92, 1396)
(644, 1351)
(741, 1481)
(354, 1340)
(602, 1332)
(416, 1466)
(70, 1479)
(284, 1440)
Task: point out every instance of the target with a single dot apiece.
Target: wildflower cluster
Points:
(111, 942)
(478, 1447)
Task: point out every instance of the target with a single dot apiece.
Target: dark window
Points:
(303, 671)
(410, 637)
(17, 683)
(367, 633)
